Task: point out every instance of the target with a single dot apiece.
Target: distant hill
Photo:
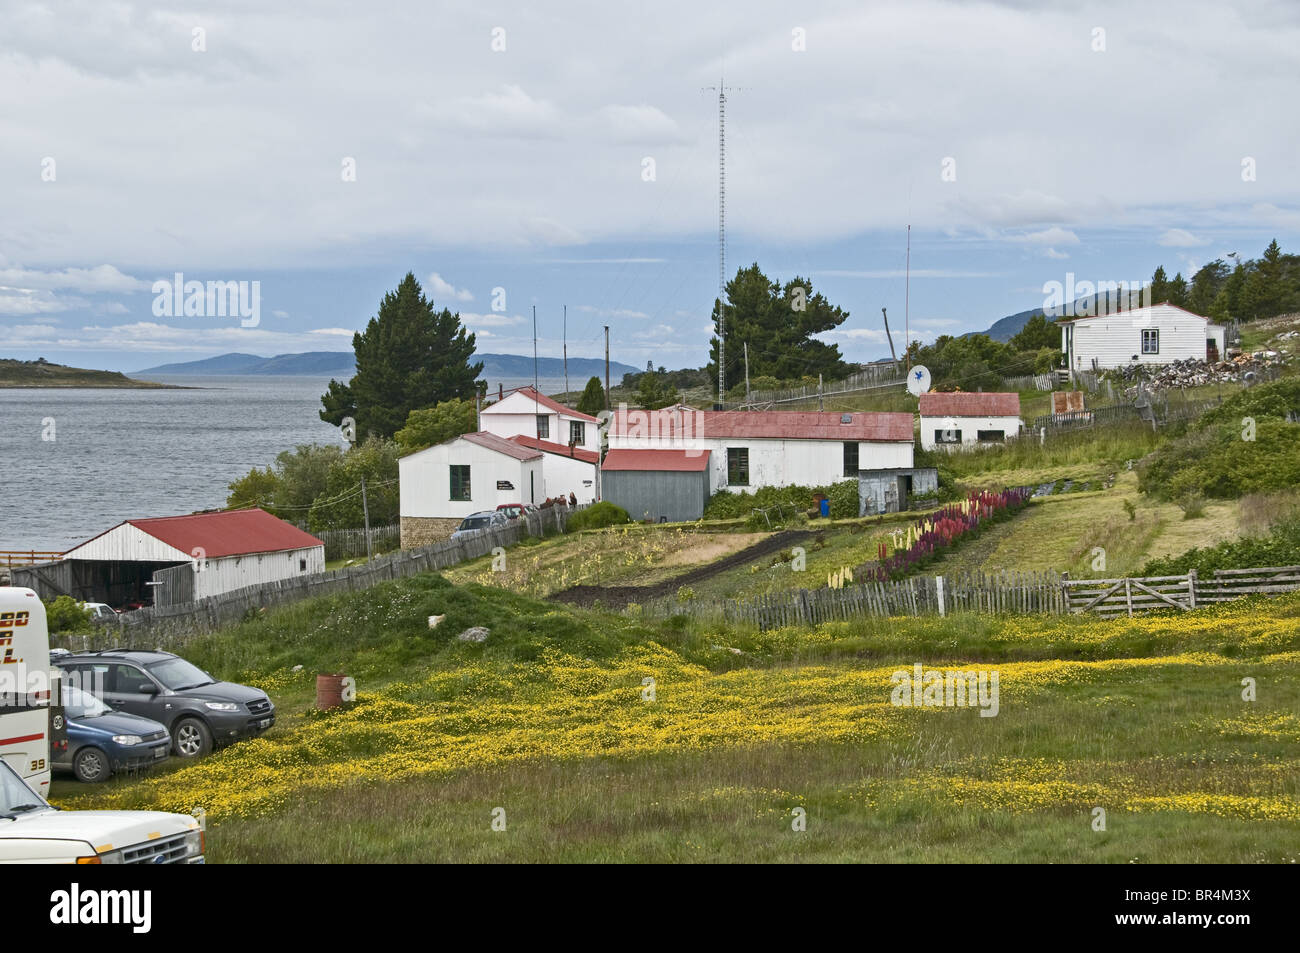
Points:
(517, 365)
(41, 373)
(340, 363)
(1004, 329)
(311, 362)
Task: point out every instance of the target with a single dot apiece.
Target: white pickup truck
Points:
(31, 831)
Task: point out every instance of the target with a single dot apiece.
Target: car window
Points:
(178, 674)
(79, 704)
(126, 680)
(88, 678)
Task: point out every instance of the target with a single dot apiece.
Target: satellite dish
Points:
(918, 380)
(1248, 378)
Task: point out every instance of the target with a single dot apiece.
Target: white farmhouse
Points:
(751, 449)
(173, 559)
(443, 484)
(1156, 334)
(526, 412)
(565, 470)
(959, 419)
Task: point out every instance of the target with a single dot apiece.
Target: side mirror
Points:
(148, 688)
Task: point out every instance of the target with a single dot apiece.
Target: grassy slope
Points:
(547, 721)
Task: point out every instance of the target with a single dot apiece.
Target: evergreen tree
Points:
(1159, 286)
(438, 424)
(654, 392)
(592, 400)
(778, 323)
(1178, 290)
(409, 357)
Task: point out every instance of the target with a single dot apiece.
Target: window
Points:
(947, 436)
(851, 459)
(459, 482)
(738, 466)
(302, 565)
(1150, 340)
(543, 429)
(983, 435)
(577, 433)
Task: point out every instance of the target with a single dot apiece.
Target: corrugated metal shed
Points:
(169, 538)
(650, 485)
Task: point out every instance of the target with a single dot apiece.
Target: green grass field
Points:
(549, 722)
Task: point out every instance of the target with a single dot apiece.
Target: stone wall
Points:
(423, 530)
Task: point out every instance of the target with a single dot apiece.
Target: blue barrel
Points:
(826, 507)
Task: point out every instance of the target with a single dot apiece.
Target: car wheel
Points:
(191, 738)
(91, 766)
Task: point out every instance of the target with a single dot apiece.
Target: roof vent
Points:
(846, 418)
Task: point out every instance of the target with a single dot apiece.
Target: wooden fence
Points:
(350, 543)
(1047, 593)
(172, 626)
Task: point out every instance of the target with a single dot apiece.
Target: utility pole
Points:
(607, 367)
(722, 237)
(820, 404)
(365, 514)
(534, 349)
(747, 375)
(890, 337)
(566, 352)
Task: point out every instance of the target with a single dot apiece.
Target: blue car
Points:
(102, 740)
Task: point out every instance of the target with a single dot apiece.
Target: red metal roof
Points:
(677, 460)
(684, 422)
(586, 456)
(501, 445)
(230, 533)
(962, 404)
(546, 402)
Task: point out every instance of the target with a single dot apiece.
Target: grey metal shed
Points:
(888, 491)
(660, 485)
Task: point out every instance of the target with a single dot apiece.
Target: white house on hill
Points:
(963, 420)
(441, 485)
(1156, 334)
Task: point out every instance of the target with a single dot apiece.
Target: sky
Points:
(517, 155)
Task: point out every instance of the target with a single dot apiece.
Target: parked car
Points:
(199, 712)
(100, 611)
(35, 833)
(102, 741)
(515, 510)
(487, 519)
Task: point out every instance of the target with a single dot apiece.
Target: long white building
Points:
(751, 449)
(1157, 334)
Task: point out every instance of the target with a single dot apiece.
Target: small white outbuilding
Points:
(1157, 334)
(959, 419)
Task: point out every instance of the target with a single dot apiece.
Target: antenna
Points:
(722, 234)
(907, 301)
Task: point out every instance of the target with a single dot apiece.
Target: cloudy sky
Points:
(566, 154)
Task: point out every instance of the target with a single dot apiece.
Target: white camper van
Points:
(31, 831)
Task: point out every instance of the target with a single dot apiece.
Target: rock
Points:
(475, 633)
(434, 620)
(296, 668)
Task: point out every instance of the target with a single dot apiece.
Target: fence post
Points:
(1191, 587)
(938, 593)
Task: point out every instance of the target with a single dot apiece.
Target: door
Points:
(129, 689)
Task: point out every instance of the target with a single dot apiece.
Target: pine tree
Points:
(409, 357)
(592, 400)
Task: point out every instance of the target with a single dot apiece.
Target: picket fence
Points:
(172, 626)
(1048, 593)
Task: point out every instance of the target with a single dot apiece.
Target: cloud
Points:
(101, 279)
(1053, 253)
(490, 320)
(334, 332)
(611, 312)
(640, 124)
(603, 261)
(1048, 236)
(1010, 210)
(442, 290)
(507, 113)
(1180, 238)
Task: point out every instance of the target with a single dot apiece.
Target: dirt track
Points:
(617, 597)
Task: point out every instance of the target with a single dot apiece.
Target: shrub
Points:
(1215, 461)
(844, 499)
(66, 614)
(1193, 506)
(598, 516)
(1131, 509)
(1281, 547)
(725, 505)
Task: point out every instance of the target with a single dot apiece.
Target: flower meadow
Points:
(908, 550)
(1165, 731)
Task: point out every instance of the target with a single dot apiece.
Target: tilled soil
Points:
(618, 597)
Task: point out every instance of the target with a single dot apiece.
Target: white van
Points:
(31, 831)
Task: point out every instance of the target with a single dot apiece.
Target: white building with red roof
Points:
(959, 419)
(746, 450)
(443, 484)
(172, 559)
(529, 413)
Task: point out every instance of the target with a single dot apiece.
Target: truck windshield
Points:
(178, 674)
(15, 797)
